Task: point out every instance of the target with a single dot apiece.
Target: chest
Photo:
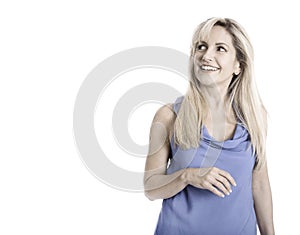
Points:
(221, 131)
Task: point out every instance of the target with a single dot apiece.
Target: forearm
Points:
(161, 186)
(264, 208)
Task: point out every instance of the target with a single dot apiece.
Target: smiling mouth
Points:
(208, 68)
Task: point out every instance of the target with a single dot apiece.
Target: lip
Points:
(208, 68)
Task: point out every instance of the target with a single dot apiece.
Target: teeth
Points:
(208, 68)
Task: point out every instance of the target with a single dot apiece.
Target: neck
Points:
(219, 108)
(215, 97)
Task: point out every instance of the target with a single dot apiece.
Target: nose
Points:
(208, 56)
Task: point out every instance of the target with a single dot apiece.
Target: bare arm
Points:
(263, 201)
(157, 184)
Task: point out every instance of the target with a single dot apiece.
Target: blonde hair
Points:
(243, 94)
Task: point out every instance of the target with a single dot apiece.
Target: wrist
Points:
(185, 175)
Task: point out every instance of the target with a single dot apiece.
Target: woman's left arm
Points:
(263, 200)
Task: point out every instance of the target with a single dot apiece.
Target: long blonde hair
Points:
(243, 94)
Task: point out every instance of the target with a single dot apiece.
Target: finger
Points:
(228, 177)
(224, 181)
(214, 190)
(213, 180)
(221, 187)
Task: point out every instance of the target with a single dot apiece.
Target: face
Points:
(215, 59)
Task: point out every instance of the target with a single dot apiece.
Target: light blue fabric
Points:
(195, 211)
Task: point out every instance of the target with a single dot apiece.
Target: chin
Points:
(206, 80)
(206, 83)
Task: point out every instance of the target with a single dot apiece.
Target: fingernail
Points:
(222, 195)
(230, 191)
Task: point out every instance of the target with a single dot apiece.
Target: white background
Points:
(47, 49)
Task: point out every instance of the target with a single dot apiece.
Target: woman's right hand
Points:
(213, 179)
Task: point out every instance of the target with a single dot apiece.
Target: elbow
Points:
(149, 195)
(148, 191)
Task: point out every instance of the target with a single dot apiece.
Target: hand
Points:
(213, 179)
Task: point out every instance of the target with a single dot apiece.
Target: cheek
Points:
(229, 65)
(196, 58)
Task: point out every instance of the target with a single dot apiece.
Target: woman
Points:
(207, 150)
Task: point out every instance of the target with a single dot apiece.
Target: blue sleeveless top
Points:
(195, 211)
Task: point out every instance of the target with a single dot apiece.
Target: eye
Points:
(201, 47)
(221, 49)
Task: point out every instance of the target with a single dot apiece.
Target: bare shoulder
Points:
(165, 115)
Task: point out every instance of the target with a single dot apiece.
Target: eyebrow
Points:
(222, 43)
(217, 43)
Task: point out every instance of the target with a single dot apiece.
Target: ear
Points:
(237, 68)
